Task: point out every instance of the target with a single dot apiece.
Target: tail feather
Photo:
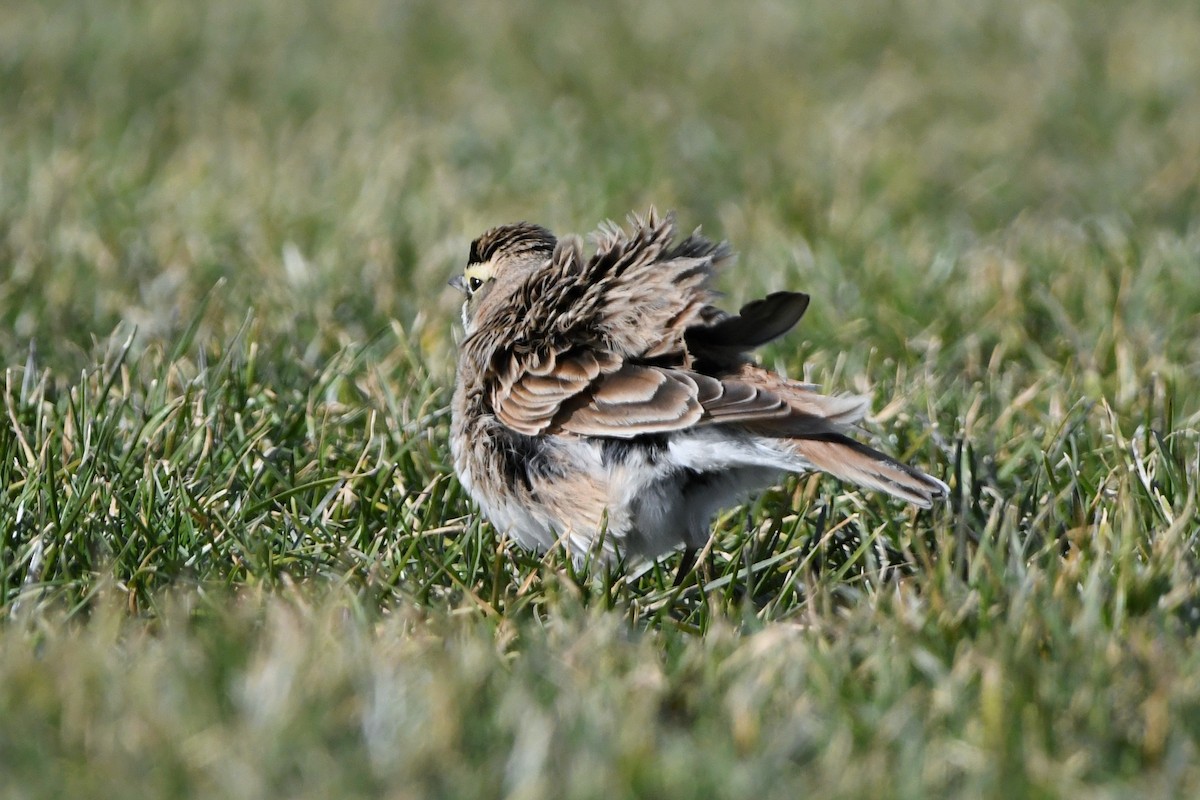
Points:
(855, 462)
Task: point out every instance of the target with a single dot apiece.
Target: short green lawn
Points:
(234, 560)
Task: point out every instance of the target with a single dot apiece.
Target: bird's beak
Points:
(458, 283)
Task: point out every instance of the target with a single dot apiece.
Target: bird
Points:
(605, 404)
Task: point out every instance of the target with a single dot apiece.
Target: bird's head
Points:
(498, 254)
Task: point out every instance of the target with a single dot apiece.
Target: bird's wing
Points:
(615, 331)
(592, 393)
(639, 400)
(758, 322)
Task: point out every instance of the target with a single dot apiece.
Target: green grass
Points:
(234, 560)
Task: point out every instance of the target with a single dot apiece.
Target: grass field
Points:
(234, 561)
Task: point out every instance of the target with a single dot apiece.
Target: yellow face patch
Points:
(476, 275)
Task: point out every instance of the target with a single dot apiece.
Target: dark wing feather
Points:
(722, 343)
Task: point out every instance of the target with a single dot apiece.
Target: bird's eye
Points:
(474, 283)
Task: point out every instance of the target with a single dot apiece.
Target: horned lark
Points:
(605, 403)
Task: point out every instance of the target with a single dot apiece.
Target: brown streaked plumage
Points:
(606, 403)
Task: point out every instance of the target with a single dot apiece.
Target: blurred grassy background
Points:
(233, 532)
(151, 148)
